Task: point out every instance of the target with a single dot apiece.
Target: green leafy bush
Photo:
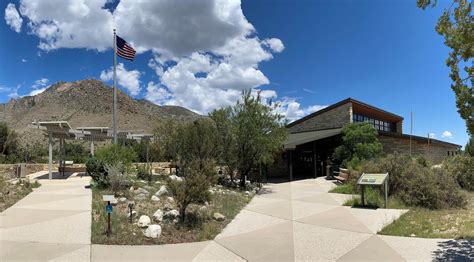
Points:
(116, 177)
(95, 168)
(461, 167)
(143, 172)
(359, 142)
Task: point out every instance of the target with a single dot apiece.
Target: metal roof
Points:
(296, 139)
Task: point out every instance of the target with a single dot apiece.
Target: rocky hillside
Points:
(86, 103)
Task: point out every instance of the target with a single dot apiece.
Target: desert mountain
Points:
(86, 103)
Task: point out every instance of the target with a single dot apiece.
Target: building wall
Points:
(436, 152)
(279, 167)
(334, 118)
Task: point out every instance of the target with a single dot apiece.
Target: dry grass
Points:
(446, 223)
(12, 193)
(199, 225)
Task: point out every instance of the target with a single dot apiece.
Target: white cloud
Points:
(292, 110)
(127, 79)
(40, 83)
(13, 18)
(37, 91)
(204, 52)
(24, 60)
(447, 134)
(275, 44)
(14, 92)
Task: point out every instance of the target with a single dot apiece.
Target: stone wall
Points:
(436, 152)
(279, 167)
(334, 118)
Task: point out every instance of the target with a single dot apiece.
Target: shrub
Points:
(113, 154)
(359, 142)
(116, 176)
(95, 168)
(143, 172)
(462, 169)
(193, 189)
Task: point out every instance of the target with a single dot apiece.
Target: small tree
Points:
(116, 176)
(359, 142)
(257, 133)
(469, 148)
(8, 140)
(194, 188)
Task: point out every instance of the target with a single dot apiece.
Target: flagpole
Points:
(114, 114)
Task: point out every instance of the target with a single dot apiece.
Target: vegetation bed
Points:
(199, 225)
(455, 223)
(10, 193)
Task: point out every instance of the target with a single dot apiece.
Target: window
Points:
(378, 124)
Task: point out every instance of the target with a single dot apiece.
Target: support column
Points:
(50, 156)
(315, 162)
(92, 148)
(60, 170)
(290, 164)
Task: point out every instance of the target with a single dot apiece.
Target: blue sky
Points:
(305, 54)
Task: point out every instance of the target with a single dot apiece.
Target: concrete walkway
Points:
(297, 221)
(50, 224)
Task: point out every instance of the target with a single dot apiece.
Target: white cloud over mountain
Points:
(125, 78)
(204, 53)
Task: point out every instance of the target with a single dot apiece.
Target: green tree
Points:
(469, 148)
(258, 133)
(456, 25)
(359, 142)
(226, 148)
(8, 140)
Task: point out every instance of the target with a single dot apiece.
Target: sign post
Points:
(108, 210)
(130, 209)
(373, 180)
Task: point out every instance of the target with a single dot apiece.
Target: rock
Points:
(155, 198)
(206, 203)
(171, 214)
(158, 182)
(170, 199)
(131, 188)
(162, 191)
(153, 231)
(158, 215)
(143, 181)
(247, 193)
(122, 199)
(144, 221)
(413, 235)
(168, 206)
(141, 197)
(175, 177)
(141, 191)
(134, 213)
(218, 217)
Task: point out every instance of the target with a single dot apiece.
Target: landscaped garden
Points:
(210, 178)
(440, 198)
(10, 193)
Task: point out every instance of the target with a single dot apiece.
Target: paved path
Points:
(297, 221)
(50, 224)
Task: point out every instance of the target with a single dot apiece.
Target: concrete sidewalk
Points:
(50, 224)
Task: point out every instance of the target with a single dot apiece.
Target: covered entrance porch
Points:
(308, 154)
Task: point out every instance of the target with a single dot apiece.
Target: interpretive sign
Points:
(108, 209)
(372, 179)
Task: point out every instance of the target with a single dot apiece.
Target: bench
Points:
(343, 175)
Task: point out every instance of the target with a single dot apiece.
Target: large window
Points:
(378, 124)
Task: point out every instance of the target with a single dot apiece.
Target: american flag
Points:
(124, 50)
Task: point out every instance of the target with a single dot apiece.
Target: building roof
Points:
(340, 103)
(296, 139)
(417, 138)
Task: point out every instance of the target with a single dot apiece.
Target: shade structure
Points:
(296, 139)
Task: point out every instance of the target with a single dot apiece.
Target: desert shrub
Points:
(96, 169)
(416, 184)
(113, 154)
(193, 189)
(116, 177)
(143, 172)
(461, 167)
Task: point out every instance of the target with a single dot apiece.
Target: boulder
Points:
(141, 197)
(170, 199)
(218, 217)
(144, 221)
(168, 206)
(155, 198)
(153, 231)
(158, 215)
(134, 213)
(141, 191)
(175, 177)
(162, 191)
(172, 214)
(122, 199)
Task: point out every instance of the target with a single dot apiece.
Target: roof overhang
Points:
(296, 139)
